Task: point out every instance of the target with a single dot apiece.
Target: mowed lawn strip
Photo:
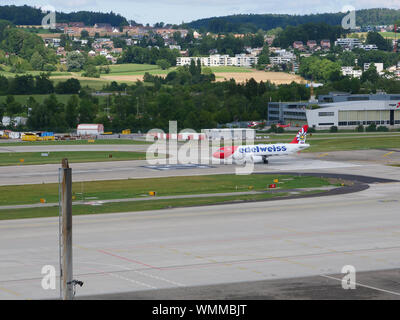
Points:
(28, 158)
(342, 144)
(73, 142)
(130, 206)
(133, 188)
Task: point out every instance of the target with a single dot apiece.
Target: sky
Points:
(178, 11)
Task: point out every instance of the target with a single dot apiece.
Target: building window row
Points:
(356, 123)
(326, 114)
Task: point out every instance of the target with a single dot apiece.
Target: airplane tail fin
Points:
(301, 135)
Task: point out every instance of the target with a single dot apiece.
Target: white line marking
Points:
(363, 285)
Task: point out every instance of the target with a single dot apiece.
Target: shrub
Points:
(360, 128)
(371, 128)
(382, 129)
(333, 129)
(49, 67)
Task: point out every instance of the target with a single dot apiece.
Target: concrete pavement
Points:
(207, 245)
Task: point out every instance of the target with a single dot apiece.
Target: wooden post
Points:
(65, 180)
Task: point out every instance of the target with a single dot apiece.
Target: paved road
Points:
(188, 247)
(367, 162)
(368, 285)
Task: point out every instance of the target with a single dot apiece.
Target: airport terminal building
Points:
(343, 110)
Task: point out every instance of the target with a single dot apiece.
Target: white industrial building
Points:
(350, 114)
(89, 129)
(230, 134)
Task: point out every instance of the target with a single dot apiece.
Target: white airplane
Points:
(261, 152)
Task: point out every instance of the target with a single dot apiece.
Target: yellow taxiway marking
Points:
(323, 155)
(10, 291)
(385, 155)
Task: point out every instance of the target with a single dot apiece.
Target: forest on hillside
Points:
(26, 15)
(243, 23)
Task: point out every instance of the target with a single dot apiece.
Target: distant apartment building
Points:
(349, 43)
(351, 72)
(282, 57)
(378, 66)
(216, 60)
(368, 47)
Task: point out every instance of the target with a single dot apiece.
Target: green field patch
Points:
(63, 98)
(134, 188)
(73, 142)
(28, 158)
(230, 69)
(326, 143)
(131, 206)
(353, 144)
(131, 67)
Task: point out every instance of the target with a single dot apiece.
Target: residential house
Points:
(325, 44)
(311, 44)
(298, 45)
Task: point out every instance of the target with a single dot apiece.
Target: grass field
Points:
(72, 142)
(388, 35)
(131, 67)
(337, 142)
(14, 158)
(131, 206)
(230, 69)
(63, 98)
(354, 144)
(133, 188)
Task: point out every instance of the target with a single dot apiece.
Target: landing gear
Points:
(265, 160)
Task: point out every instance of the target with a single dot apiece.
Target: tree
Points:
(87, 111)
(43, 85)
(379, 41)
(3, 85)
(71, 86)
(71, 112)
(163, 64)
(37, 61)
(370, 75)
(75, 61)
(84, 34)
(371, 128)
(12, 107)
(91, 71)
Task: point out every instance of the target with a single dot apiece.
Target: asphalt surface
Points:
(209, 245)
(368, 286)
(286, 249)
(361, 162)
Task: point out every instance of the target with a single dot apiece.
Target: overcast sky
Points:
(177, 11)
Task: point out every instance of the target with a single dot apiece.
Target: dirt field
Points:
(274, 77)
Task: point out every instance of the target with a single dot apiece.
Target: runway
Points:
(369, 162)
(223, 251)
(211, 245)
